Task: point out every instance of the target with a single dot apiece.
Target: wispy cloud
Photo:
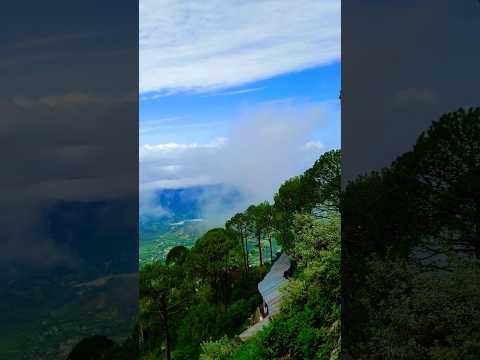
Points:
(238, 92)
(55, 39)
(212, 45)
(72, 99)
(156, 128)
(156, 95)
(64, 155)
(156, 125)
(147, 151)
(314, 145)
(266, 146)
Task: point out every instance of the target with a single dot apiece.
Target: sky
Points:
(398, 79)
(243, 93)
(69, 154)
(68, 82)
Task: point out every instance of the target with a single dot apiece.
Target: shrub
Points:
(221, 349)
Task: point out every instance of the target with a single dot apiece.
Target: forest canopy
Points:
(196, 303)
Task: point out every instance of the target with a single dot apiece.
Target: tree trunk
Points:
(225, 280)
(215, 284)
(164, 312)
(476, 245)
(259, 240)
(271, 250)
(476, 237)
(244, 252)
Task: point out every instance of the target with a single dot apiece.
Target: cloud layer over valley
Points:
(266, 145)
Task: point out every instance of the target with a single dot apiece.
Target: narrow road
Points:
(269, 288)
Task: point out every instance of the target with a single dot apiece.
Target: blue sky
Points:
(239, 93)
(187, 118)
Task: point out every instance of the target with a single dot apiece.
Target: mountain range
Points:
(186, 216)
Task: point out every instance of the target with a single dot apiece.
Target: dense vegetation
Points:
(195, 303)
(308, 326)
(410, 248)
(410, 273)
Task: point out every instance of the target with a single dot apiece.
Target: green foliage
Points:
(447, 168)
(410, 249)
(421, 315)
(93, 348)
(260, 224)
(206, 322)
(317, 189)
(177, 255)
(199, 324)
(238, 226)
(202, 297)
(309, 325)
(314, 235)
(205, 301)
(221, 349)
(325, 179)
(234, 317)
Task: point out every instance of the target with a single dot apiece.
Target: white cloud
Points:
(148, 151)
(215, 44)
(148, 205)
(157, 125)
(63, 155)
(169, 146)
(72, 99)
(237, 92)
(313, 145)
(178, 183)
(154, 96)
(268, 145)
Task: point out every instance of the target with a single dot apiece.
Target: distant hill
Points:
(183, 220)
(100, 234)
(49, 309)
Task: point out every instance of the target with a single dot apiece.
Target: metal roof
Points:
(273, 281)
(269, 288)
